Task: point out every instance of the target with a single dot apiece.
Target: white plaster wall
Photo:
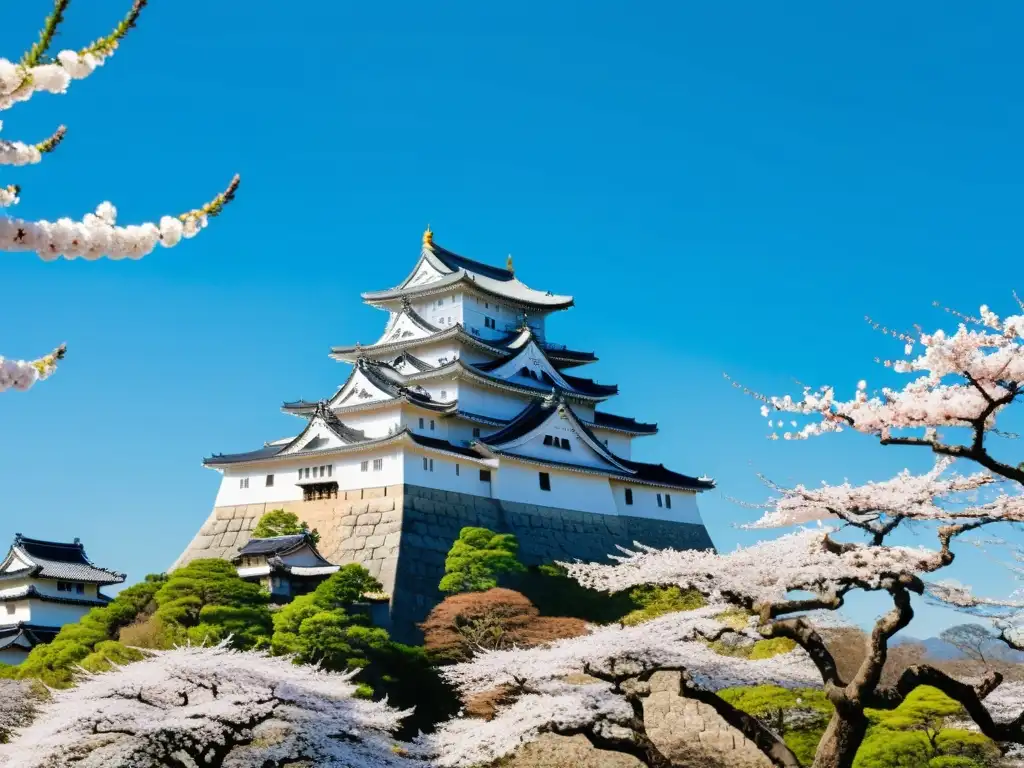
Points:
(352, 394)
(443, 477)
(374, 423)
(55, 614)
(460, 431)
(580, 452)
(429, 424)
(617, 443)
(442, 311)
(645, 503)
(490, 402)
(21, 613)
(569, 490)
(583, 411)
(346, 472)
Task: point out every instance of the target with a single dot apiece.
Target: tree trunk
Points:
(842, 739)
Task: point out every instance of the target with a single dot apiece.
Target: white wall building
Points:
(463, 392)
(43, 586)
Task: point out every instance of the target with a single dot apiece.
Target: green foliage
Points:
(914, 736)
(206, 602)
(324, 628)
(777, 707)
(55, 662)
(277, 522)
(476, 560)
(655, 601)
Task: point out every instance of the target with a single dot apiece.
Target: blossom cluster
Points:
(22, 374)
(765, 572)
(97, 235)
(20, 83)
(254, 709)
(906, 495)
(988, 362)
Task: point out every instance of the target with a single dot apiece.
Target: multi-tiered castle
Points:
(461, 413)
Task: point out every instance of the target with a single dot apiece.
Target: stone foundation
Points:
(401, 534)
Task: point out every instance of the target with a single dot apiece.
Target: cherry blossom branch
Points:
(803, 633)
(19, 153)
(21, 374)
(97, 235)
(34, 55)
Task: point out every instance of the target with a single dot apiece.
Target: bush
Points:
(277, 522)
(495, 619)
(476, 560)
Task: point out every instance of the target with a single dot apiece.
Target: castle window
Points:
(243, 483)
(323, 471)
(431, 425)
(668, 501)
(316, 472)
(10, 610)
(421, 423)
(485, 475)
(565, 444)
(305, 472)
(545, 481)
(548, 439)
(659, 500)
(270, 481)
(444, 394)
(80, 589)
(476, 431)
(378, 465)
(364, 466)
(456, 470)
(330, 469)
(489, 322)
(629, 497)
(428, 464)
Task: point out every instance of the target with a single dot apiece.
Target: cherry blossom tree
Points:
(211, 707)
(96, 235)
(786, 586)
(17, 706)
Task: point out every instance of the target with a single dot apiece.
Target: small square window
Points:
(476, 431)
(323, 471)
(545, 481)
(565, 444)
(378, 465)
(629, 496)
(485, 475)
(10, 609)
(659, 500)
(668, 501)
(316, 472)
(548, 440)
(270, 481)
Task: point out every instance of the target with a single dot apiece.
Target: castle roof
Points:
(31, 592)
(503, 443)
(440, 270)
(24, 636)
(35, 558)
(559, 354)
(273, 452)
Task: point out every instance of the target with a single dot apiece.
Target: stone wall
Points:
(401, 534)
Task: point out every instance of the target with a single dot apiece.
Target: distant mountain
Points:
(940, 650)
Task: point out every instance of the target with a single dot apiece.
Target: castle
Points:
(461, 413)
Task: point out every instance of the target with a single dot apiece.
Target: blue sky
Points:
(722, 187)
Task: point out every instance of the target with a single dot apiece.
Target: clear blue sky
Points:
(722, 187)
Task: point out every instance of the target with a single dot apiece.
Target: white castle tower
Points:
(464, 400)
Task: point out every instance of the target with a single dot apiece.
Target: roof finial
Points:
(428, 236)
(508, 264)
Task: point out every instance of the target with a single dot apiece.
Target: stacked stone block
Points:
(401, 534)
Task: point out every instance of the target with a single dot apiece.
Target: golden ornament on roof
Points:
(508, 264)
(428, 236)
